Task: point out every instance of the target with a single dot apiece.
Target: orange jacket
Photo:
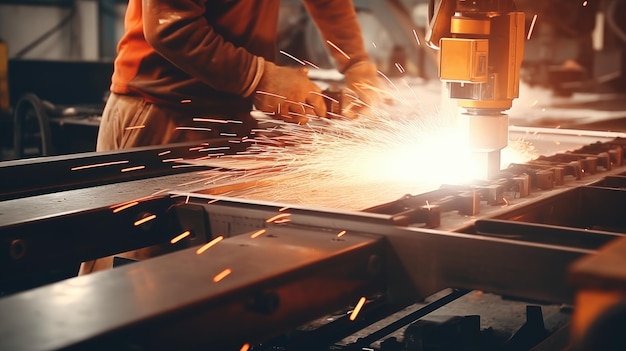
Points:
(207, 55)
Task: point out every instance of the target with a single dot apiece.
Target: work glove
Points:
(288, 94)
(362, 89)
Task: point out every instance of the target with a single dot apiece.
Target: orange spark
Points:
(180, 237)
(338, 49)
(278, 216)
(123, 207)
(416, 38)
(135, 127)
(99, 165)
(209, 120)
(217, 148)
(209, 244)
(293, 57)
(132, 169)
(311, 64)
(283, 209)
(194, 128)
(223, 274)
(185, 101)
(357, 308)
(324, 96)
(584, 3)
(197, 148)
(144, 220)
(270, 94)
(172, 159)
(245, 347)
(532, 26)
(400, 68)
(213, 201)
(257, 233)
(341, 233)
(164, 153)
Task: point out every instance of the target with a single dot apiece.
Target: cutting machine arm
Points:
(481, 47)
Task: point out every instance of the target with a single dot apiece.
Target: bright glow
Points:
(278, 217)
(417, 38)
(532, 27)
(98, 165)
(223, 274)
(126, 206)
(357, 308)
(257, 233)
(130, 169)
(293, 57)
(135, 127)
(406, 144)
(209, 245)
(338, 49)
(144, 220)
(180, 237)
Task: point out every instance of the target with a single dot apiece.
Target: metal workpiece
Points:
(241, 290)
(545, 233)
(255, 285)
(30, 177)
(531, 271)
(29, 250)
(245, 289)
(585, 207)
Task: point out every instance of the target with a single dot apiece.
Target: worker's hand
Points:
(288, 94)
(362, 89)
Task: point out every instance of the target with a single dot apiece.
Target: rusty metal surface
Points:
(283, 278)
(312, 270)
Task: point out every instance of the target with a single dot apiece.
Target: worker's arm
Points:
(179, 31)
(338, 24)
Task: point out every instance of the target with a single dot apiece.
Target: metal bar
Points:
(29, 251)
(427, 261)
(531, 271)
(30, 177)
(292, 275)
(408, 319)
(279, 280)
(547, 234)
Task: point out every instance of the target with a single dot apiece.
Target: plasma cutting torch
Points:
(481, 47)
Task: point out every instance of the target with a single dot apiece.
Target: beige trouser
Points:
(129, 121)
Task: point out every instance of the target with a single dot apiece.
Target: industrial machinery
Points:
(481, 47)
(529, 258)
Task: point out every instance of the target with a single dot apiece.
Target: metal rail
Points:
(287, 275)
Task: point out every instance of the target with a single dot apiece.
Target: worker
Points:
(182, 65)
(183, 59)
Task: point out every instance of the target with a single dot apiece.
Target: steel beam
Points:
(279, 280)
